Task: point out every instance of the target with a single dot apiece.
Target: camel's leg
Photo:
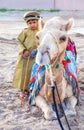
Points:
(71, 103)
(49, 114)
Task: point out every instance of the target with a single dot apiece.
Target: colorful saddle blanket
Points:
(37, 74)
(70, 71)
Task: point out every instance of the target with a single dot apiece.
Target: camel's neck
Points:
(57, 59)
(57, 69)
(57, 75)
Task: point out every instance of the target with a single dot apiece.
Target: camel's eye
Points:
(62, 38)
(60, 29)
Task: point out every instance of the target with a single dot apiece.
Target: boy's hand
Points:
(25, 53)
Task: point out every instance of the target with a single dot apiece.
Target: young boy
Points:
(26, 58)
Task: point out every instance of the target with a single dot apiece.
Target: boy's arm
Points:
(21, 39)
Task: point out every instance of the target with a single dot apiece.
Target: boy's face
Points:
(33, 24)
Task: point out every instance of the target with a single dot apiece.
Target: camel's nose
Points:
(63, 38)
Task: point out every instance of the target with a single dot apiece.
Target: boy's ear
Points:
(69, 24)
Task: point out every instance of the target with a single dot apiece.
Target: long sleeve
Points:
(21, 38)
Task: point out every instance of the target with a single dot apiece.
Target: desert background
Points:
(12, 117)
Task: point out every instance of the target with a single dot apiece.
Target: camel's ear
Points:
(69, 24)
(40, 24)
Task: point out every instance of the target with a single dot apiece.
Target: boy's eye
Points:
(34, 22)
(31, 22)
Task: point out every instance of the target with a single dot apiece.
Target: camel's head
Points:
(52, 43)
(59, 23)
(53, 39)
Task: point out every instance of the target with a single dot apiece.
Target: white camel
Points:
(53, 40)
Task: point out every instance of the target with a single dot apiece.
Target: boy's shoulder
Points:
(25, 29)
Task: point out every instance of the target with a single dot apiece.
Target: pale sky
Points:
(31, 4)
(43, 4)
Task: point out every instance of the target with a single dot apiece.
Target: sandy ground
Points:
(12, 117)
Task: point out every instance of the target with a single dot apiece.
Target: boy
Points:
(26, 58)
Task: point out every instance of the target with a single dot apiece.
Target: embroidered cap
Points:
(31, 15)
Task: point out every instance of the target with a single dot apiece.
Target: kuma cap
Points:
(31, 15)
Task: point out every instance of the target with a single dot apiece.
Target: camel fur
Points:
(54, 38)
